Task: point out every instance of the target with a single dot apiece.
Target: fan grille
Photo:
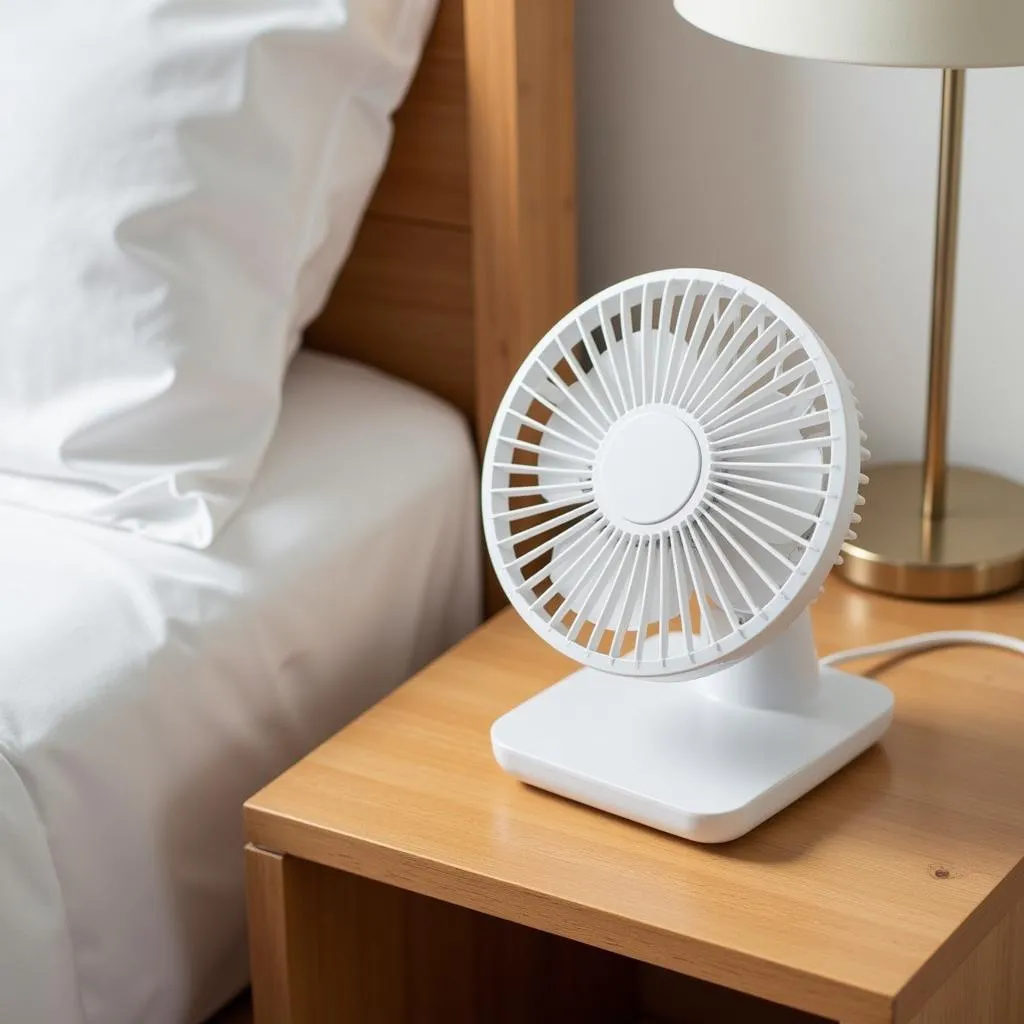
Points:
(742, 523)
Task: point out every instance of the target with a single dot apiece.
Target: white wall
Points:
(818, 181)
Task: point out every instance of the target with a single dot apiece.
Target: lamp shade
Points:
(900, 33)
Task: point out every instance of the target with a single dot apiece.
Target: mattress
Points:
(147, 690)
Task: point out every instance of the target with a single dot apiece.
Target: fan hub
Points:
(648, 467)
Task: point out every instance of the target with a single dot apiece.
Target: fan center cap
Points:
(648, 467)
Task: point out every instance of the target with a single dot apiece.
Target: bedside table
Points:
(397, 875)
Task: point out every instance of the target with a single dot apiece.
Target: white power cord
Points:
(926, 641)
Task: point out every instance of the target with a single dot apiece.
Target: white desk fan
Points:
(669, 479)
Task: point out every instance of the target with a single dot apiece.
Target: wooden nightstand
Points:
(397, 875)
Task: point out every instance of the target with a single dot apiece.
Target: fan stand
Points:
(706, 760)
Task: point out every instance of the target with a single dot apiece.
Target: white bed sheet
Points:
(147, 690)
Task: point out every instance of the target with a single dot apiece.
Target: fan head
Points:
(671, 475)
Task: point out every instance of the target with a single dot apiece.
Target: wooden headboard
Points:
(468, 252)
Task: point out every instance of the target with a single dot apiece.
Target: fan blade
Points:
(750, 579)
(789, 497)
(564, 443)
(604, 595)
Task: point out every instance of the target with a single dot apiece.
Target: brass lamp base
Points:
(976, 549)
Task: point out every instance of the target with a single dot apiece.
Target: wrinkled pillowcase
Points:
(180, 181)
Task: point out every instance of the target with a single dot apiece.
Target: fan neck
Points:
(782, 676)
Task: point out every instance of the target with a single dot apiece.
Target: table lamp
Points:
(929, 530)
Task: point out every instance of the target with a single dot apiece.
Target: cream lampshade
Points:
(931, 530)
(896, 33)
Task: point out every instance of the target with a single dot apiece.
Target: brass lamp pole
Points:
(947, 223)
(940, 531)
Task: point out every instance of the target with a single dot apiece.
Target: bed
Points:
(166, 684)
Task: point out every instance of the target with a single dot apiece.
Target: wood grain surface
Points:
(857, 903)
(269, 933)
(365, 953)
(404, 305)
(988, 987)
(427, 177)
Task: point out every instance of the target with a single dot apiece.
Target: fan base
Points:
(679, 758)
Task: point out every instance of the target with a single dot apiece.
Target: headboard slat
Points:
(427, 177)
(523, 159)
(404, 299)
(404, 304)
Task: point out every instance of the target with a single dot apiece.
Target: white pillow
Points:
(179, 181)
